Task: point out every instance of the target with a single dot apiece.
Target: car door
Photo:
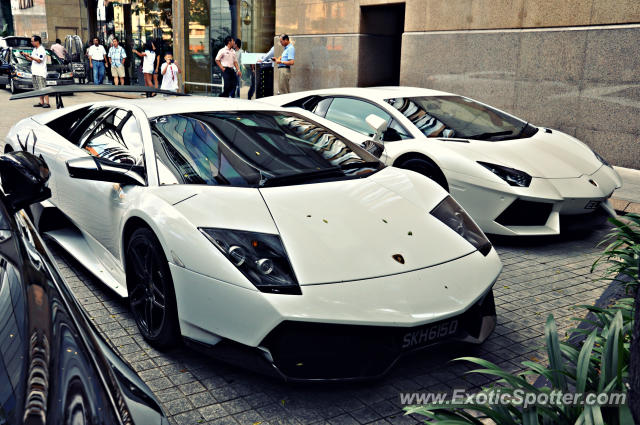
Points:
(5, 67)
(97, 207)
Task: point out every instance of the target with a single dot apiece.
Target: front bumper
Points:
(372, 315)
(534, 210)
(318, 351)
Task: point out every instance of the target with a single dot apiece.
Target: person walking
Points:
(97, 58)
(227, 62)
(59, 49)
(38, 58)
(285, 62)
(169, 71)
(148, 62)
(117, 58)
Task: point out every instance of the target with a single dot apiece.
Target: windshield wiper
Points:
(301, 176)
(491, 134)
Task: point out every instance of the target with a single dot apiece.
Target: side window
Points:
(352, 114)
(188, 151)
(116, 137)
(322, 107)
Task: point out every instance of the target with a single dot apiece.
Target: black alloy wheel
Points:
(151, 293)
(427, 169)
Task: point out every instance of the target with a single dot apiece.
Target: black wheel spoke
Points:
(149, 314)
(157, 292)
(138, 263)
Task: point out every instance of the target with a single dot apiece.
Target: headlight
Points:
(23, 74)
(67, 75)
(259, 256)
(510, 175)
(451, 213)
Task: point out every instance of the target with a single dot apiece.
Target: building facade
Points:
(573, 65)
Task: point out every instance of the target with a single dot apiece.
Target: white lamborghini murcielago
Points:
(245, 227)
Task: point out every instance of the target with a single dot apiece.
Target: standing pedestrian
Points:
(97, 58)
(170, 71)
(148, 62)
(226, 60)
(159, 49)
(59, 49)
(285, 62)
(38, 58)
(117, 58)
(237, 46)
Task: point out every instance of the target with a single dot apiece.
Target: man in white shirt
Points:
(97, 57)
(226, 60)
(38, 58)
(169, 71)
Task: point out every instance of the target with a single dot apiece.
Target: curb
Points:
(623, 206)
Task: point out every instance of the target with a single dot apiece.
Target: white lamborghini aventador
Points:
(246, 227)
(512, 177)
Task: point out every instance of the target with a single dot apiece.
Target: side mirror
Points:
(24, 179)
(100, 169)
(378, 124)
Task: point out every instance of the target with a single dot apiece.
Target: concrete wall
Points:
(573, 65)
(66, 17)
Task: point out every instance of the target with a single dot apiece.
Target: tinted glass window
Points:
(352, 114)
(52, 59)
(247, 148)
(456, 116)
(13, 343)
(116, 138)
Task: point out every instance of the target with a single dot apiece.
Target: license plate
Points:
(429, 334)
(592, 205)
(52, 83)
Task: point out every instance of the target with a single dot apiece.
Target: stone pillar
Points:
(180, 13)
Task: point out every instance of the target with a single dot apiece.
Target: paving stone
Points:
(177, 406)
(192, 417)
(192, 388)
(213, 411)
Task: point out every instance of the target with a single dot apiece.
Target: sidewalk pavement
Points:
(627, 198)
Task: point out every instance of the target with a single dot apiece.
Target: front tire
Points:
(151, 294)
(427, 169)
(12, 87)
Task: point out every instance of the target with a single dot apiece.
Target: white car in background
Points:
(248, 228)
(513, 178)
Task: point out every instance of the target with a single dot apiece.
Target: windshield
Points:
(460, 117)
(252, 148)
(21, 60)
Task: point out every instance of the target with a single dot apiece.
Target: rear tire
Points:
(427, 169)
(151, 294)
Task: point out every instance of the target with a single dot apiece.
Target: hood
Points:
(545, 155)
(351, 229)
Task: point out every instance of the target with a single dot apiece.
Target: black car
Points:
(54, 367)
(14, 41)
(15, 70)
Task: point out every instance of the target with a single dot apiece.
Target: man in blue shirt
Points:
(284, 63)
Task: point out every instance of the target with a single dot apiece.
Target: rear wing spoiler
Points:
(57, 92)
